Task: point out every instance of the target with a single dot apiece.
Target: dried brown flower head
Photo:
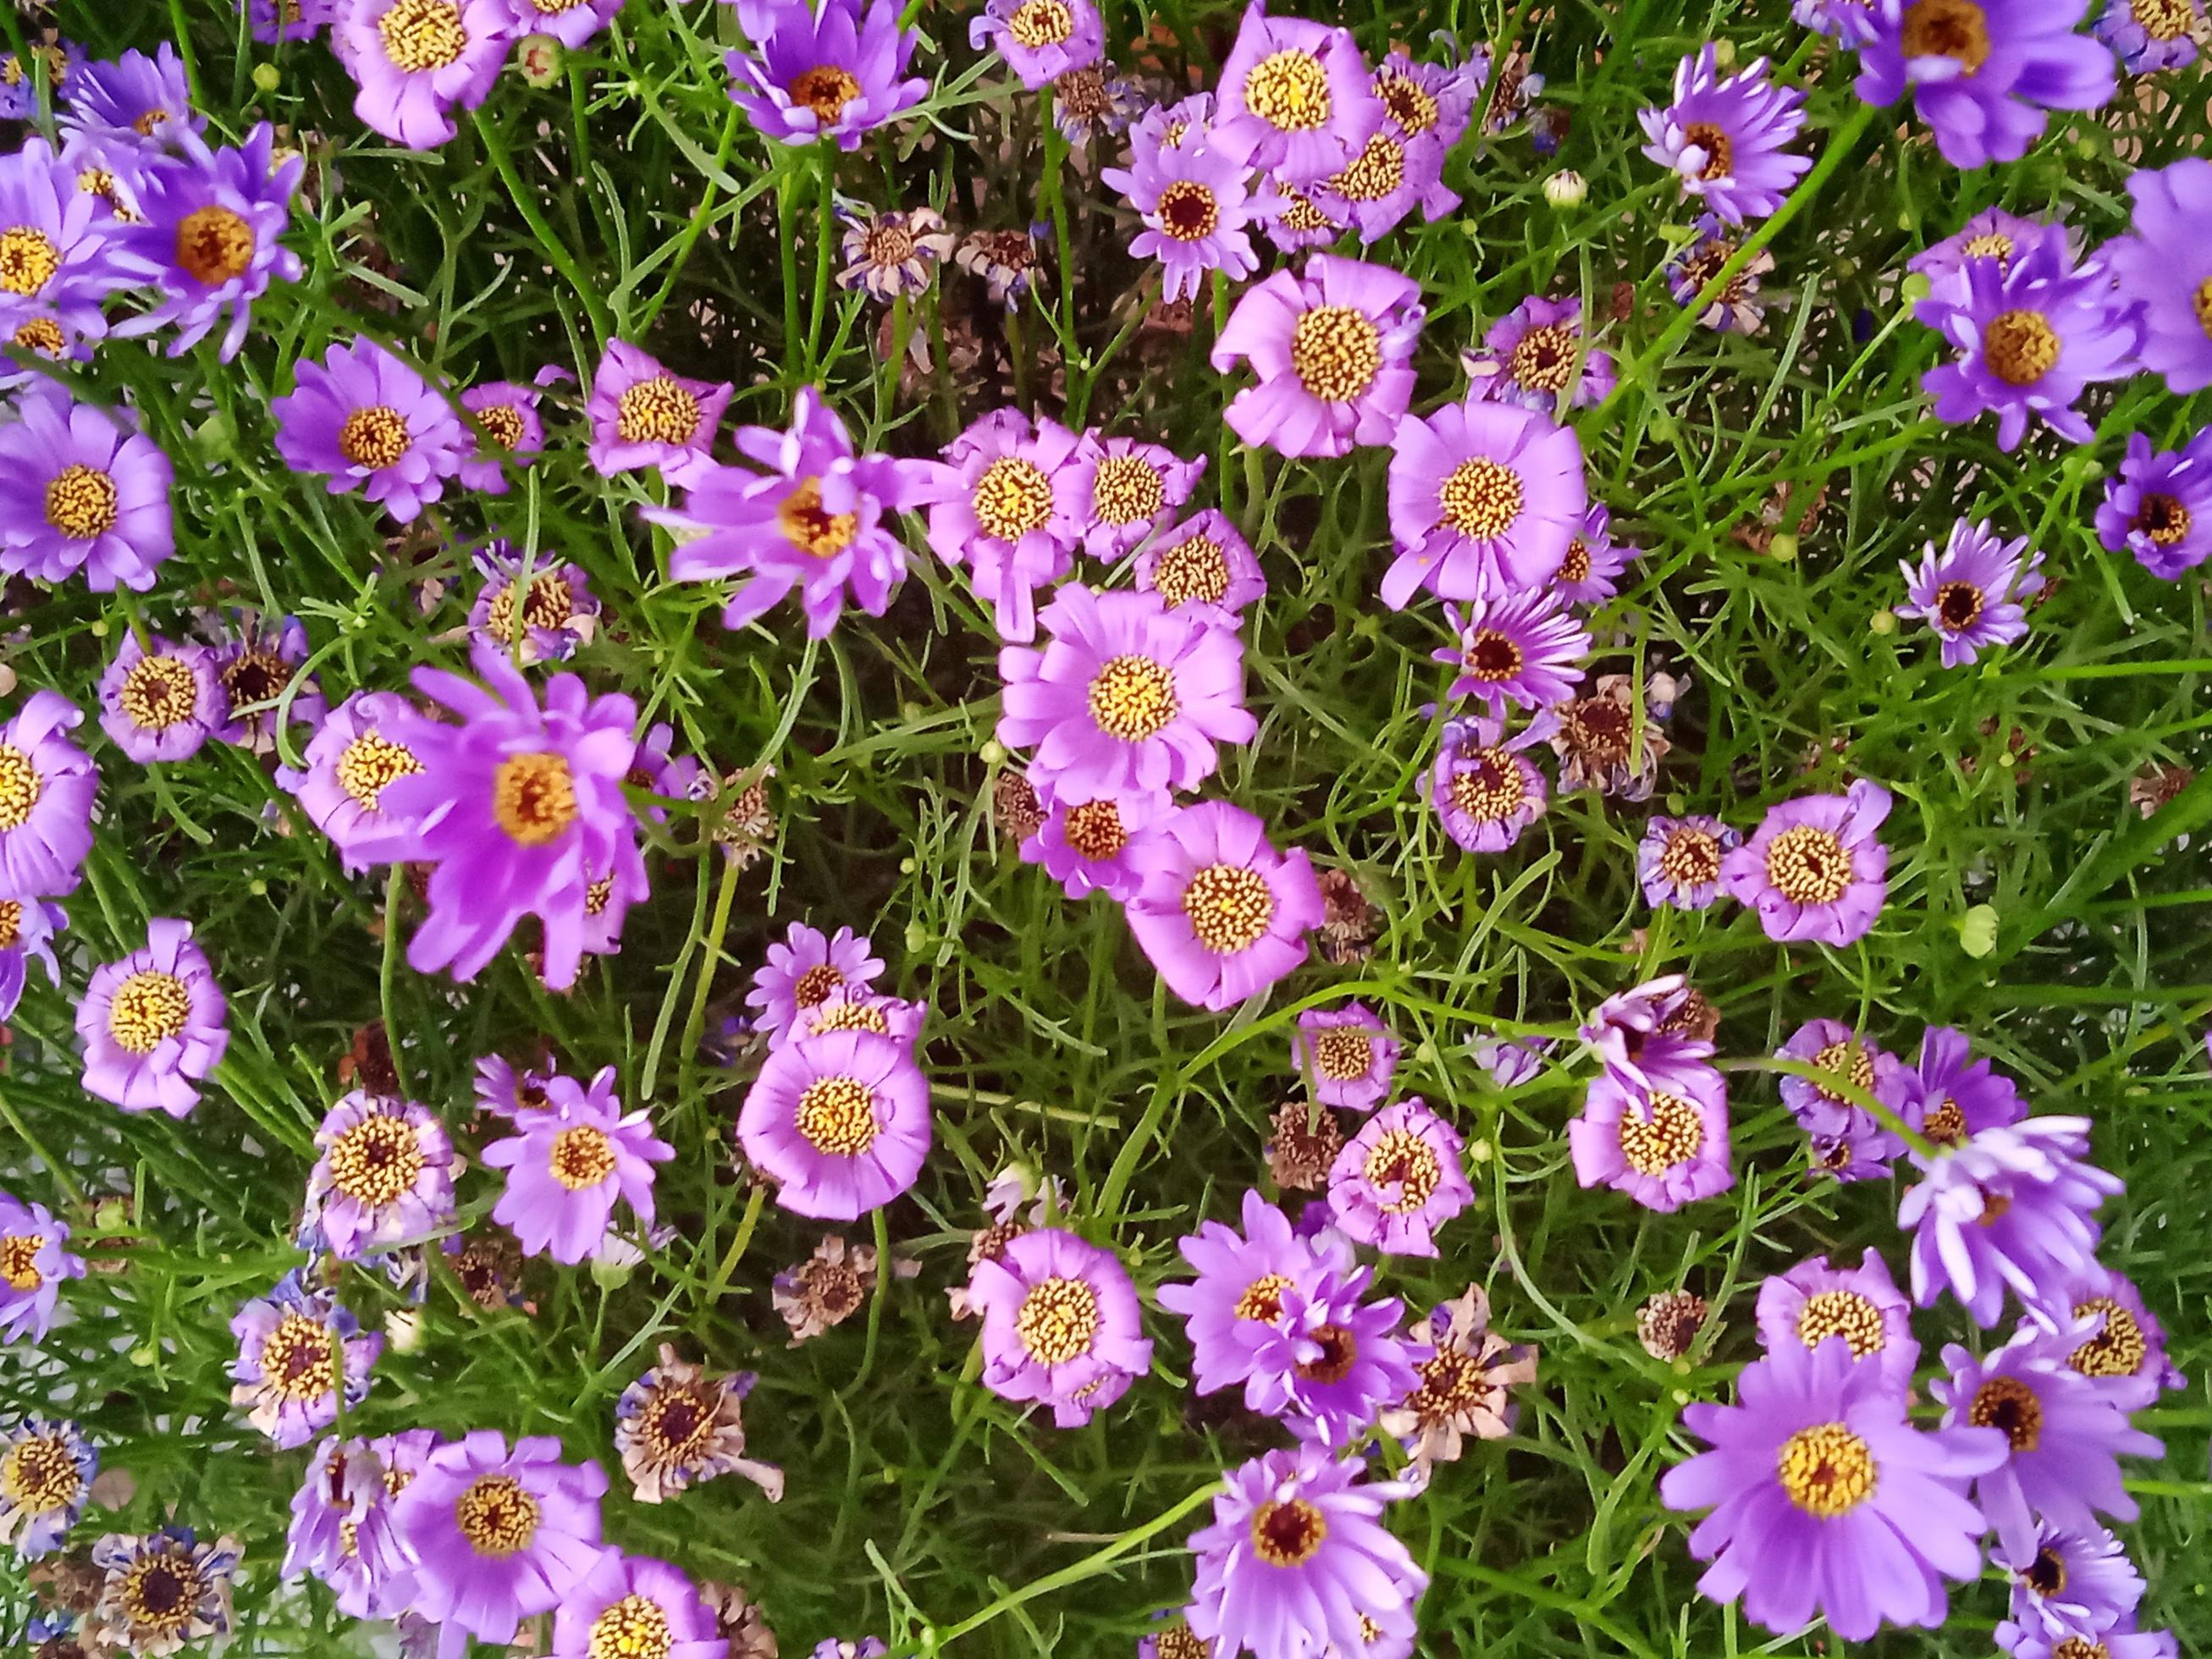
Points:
(1668, 1325)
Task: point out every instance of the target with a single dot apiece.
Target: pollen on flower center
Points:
(1808, 866)
(1480, 498)
(556, 8)
(817, 985)
(1849, 1059)
(1402, 1159)
(1181, 1642)
(1299, 214)
(2021, 346)
(1094, 829)
(1841, 1313)
(2164, 519)
(1197, 569)
(495, 1516)
(1133, 697)
(2007, 1403)
(1673, 1134)
(1187, 211)
(2080, 1647)
(1492, 656)
(42, 335)
(40, 1473)
(375, 1162)
(1058, 1320)
(1543, 359)
(836, 1115)
(1946, 1125)
(581, 1157)
(82, 501)
(420, 36)
(148, 1009)
(1376, 172)
(1128, 490)
(375, 437)
(160, 1593)
(1575, 566)
(533, 797)
(1288, 1532)
(2201, 303)
(2162, 19)
(1720, 150)
(11, 923)
(656, 411)
(1336, 351)
(825, 88)
(677, 1423)
(633, 1627)
(298, 1360)
(1011, 499)
(1263, 1298)
(1036, 24)
(29, 259)
(814, 532)
(19, 1260)
(369, 764)
(1489, 788)
(1340, 1352)
(1957, 29)
(1229, 908)
(158, 693)
(1691, 857)
(1990, 244)
(2118, 1349)
(1826, 1470)
(1289, 90)
(1958, 606)
(550, 604)
(215, 245)
(1410, 104)
(1342, 1052)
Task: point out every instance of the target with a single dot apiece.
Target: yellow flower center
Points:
(550, 604)
(215, 245)
(29, 259)
(1058, 1320)
(1990, 245)
(657, 411)
(1848, 1059)
(1480, 498)
(1039, 23)
(1543, 359)
(2162, 19)
(420, 36)
(2120, 1349)
(1336, 352)
(502, 424)
(1263, 1298)
(1957, 29)
(1288, 1532)
(375, 437)
(534, 798)
(2007, 1403)
(1133, 698)
(82, 502)
(19, 1260)
(39, 1475)
(2021, 346)
(1845, 1314)
(148, 1009)
(1410, 104)
(161, 1597)
(1720, 150)
(1808, 866)
(370, 762)
(1012, 498)
(495, 1516)
(1342, 1052)
(42, 335)
(2164, 519)
(1094, 829)
(1376, 174)
(1826, 1470)
(1229, 907)
(298, 1360)
(1196, 567)
(1128, 490)
(1402, 1159)
(1289, 90)
(808, 528)
(376, 1161)
(632, 1628)
(11, 923)
(1672, 1136)
(1691, 857)
(581, 1157)
(21, 786)
(159, 692)
(825, 89)
(2201, 303)
(1489, 787)
(836, 1115)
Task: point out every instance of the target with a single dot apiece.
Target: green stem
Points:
(555, 250)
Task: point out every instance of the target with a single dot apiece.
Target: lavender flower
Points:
(567, 1164)
(1517, 648)
(297, 1351)
(1816, 1301)
(1041, 39)
(1331, 348)
(45, 1476)
(1234, 1303)
(839, 1121)
(161, 704)
(2165, 271)
(383, 1175)
(1831, 1047)
(1061, 1324)
(368, 420)
(2071, 1580)
(1204, 562)
(415, 61)
(804, 970)
(1984, 73)
(2159, 506)
(27, 930)
(1398, 1179)
(82, 490)
(1970, 593)
(1664, 1149)
(1003, 501)
(1199, 205)
(509, 431)
(642, 415)
(553, 613)
(1535, 354)
(2149, 35)
(154, 1024)
(1348, 1052)
(1727, 137)
(831, 74)
(1485, 498)
(1222, 914)
(1956, 1095)
(1992, 233)
(1679, 859)
(351, 760)
(1128, 489)
(33, 1265)
(1093, 846)
(2093, 1321)
(1815, 869)
(1329, 1363)
(1384, 181)
(1484, 789)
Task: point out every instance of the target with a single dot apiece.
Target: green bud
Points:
(1784, 546)
(267, 77)
(1882, 622)
(1977, 930)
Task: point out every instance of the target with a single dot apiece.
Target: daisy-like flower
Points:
(863, 1647)
(2158, 505)
(205, 233)
(543, 619)
(1205, 562)
(1831, 1047)
(1664, 1149)
(415, 61)
(1005, 501)
(1679, 859)
(893, 253)
(2165, 269)
(636, 1605)
(1815, 870)
(1398, 1179)
(1517, 648)
(161, 1590)
(1644, 1036)
(32, 1265)
(1127, 700)
(571, 22)
(678, 1424)
(1199, 204)
(1061, 1324)
(512, 431)
(816, 520)
(1816, 1300)
(2121, 1641)
(28, 929)
(1231, 1306)
(1331, 348)
(859, 1011)
(804, 970)
(1485, 498)
(137, 101)
(1465, 1370)
(1298, 224)
(1041, 39)
(1295, 98)
(1970, 593)
(841, 1122)
(2029, 338)
(2093, 1323)
(1088, 101)
(1536, 354)
(1862, 1149)
(829, 1286)
(1126, 489)
(54, 253)
(160, 703)
(2007, 1207)
(1094, 846)
(1348, 1052)
(384, 1175)
(569, 1162)
(1004, 260)
(1992, 233)
(1484, 789)
(366, 420)
(2149, 35)
(641, 414)
(1383, 181)
(1329, 1362)
(834, 73)
(1430, 106)
(351, 760)
(500, 1534)
(46, 1475)
(1297, 1563)
(2072, 1579)
(1728, 137)
(1734, 308)
(1589, 575)
(82, 490)
(296, 1350)
(2064, 1440)
(342, 1531)
(1984, 73)
(1825, 1500)
(519, 809)
(53, 63)
(153, 1025)
(259, 670)
(1222, 914)
(1955, 1094)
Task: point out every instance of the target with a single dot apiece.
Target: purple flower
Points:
(1349, 1054)
(499, 1535)
(513, 431)
(1295, 99)
(415, 61)
(1222, 915)
(858, 1011)
(634, 1604)
(804, 970)
(816, 520)
(1297, 225)
(1298, 1564)
(1816, 1300)
(1093, 846)
(2159, 506)
(569, 1162)
(1969, 593)
(2070, 1580)
(1734, 308)
(296, 1350)
(384, 1175)
(642, 416)
(1679, 859)
(351, 759)
(32, 1265)
(206, 235)
(2149, 35)
(1129, 699)
(1728, 137)
(2029, 338)
(1127, 489)
(342, 1533)
(2011, 1206)
(1328, 1362)
(139, 102)
(1831, 1046)
(1664, 1149)
(1850, 23)
(257, 670)
(1198, 204)
(2122, 1641)
(2093, 1321)
(1429, 105)
(1535, 353)
(1992, 233)
(1005, 502)
(1331, 348)
(45, 1476)
(1862, 1149)
(554, 612)
(832, 74)
(1384, 181)
(1510, 1061)
(2165, 271)
(895, 253)
(1825, 1500)
(1815, 869)
(1484, 789)
(27, 928)
(274, 20)
(1984, 73)
(368, 420)
(1041, 39)
(1636, 1033)
(54, 259)
(1203, 563)
(839, 1121)
(153, 1025)
(2065, 1439)
(520, 810)
(1955, 1094)
(1587, 575)
(160, 704)
(1233, 1305)
(1515, 647)
(82, 490)
(572, 22)
(1485, 498)
(1400, 1179)
(1061, 1324)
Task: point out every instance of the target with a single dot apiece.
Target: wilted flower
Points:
(1603, 744)
(892, 253)
(1006, 260)
(45, 1477)
(829, 1286)
(163, 1589)
(1466, 1371)
(679, 1423)
(1669, 1323)
(1734, 306)
(1302, 1145)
